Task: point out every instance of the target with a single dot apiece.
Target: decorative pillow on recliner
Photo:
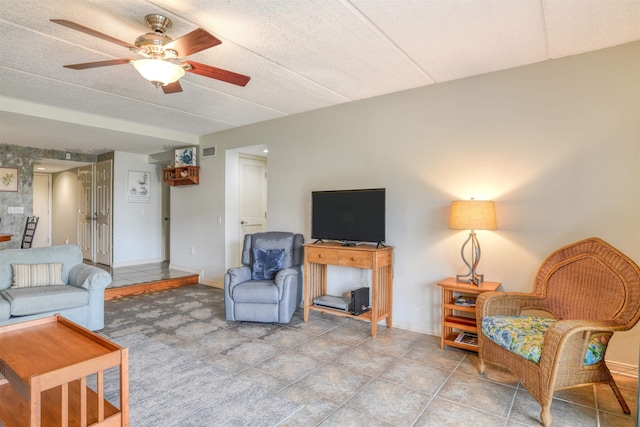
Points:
(266, 263)
(28, 275)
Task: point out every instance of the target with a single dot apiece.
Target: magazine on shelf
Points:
(467, 338)
(465, 301)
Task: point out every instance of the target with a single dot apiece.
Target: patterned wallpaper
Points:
(24, 158)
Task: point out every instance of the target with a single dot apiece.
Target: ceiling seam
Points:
(50, 36)
(545, 28)
(359, 14)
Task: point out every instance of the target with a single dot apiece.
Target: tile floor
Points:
(345, 378)
(124, 276)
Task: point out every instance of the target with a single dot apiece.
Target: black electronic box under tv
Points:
(349, 215)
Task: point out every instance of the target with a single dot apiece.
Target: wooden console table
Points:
(5, 237)
(46, 363)
(379, 260)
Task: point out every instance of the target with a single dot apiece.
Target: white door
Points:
(102, 215)
(253, 195)
(42, 209)
(85, 211)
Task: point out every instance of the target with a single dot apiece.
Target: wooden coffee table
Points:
(46, 363)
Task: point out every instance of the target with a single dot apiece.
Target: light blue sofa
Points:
(80, 299)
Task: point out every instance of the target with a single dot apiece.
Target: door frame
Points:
(233, 245)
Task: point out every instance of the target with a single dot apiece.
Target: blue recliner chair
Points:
(268, 286)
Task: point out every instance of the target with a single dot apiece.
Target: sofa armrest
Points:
(89, 277)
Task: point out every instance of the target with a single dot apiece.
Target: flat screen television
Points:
(348, 215)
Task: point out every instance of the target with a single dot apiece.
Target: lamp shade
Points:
(157, 70)
(473, 215)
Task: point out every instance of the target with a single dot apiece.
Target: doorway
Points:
(95, 211)
(245, 198)
(252, 192)
(42, 209)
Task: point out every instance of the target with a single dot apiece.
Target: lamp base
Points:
(476, 279)
(471, 276)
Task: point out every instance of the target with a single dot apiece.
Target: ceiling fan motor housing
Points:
(158, 23)
(153, 44)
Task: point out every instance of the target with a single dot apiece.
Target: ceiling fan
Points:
(162, 60)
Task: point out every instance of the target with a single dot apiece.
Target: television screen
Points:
(348, 215)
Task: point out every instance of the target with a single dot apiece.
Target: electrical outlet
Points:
(193, 250)
(219, 220)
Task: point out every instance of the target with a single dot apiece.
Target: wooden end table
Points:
(46, 363)
(456, 318)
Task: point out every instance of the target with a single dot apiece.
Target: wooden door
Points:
(85, 211)
(103, 211)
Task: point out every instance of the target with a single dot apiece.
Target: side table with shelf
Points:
(457, 318)
(380, 260)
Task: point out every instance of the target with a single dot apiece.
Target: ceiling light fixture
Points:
(159, 72)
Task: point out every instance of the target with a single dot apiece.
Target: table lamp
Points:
(472, 215)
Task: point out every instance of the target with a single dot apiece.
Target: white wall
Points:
(137, 227)
(555, 144)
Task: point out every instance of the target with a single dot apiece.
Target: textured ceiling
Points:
(301, 55)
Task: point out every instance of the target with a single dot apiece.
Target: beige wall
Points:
(555, 144)
(64, 223)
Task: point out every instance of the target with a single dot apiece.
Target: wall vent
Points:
(209, 152)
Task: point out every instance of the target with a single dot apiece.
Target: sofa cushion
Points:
(26, 275)
(266, 263)
(5, 309)
(41, 299)
(256, 291)
(68, 255)
(524, 336)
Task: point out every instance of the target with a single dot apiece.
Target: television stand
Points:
(379, 260)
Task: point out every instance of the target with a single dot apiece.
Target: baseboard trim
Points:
(137, 262)
(212, 283)
(623, 369)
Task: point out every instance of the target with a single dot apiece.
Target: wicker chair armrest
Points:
(565, 342)
(495, 303)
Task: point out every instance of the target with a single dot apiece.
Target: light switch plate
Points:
(16, 209)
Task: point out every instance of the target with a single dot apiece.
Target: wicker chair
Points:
(592, 290)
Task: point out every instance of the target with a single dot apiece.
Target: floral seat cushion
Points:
(524, 336)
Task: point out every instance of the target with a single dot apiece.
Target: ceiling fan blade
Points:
(193, 42)
(218, 73)
(86, 65)
(91, 32)
(172, 88)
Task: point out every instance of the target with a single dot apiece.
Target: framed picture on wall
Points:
(138, 187)
(9, 179)
(186, 156)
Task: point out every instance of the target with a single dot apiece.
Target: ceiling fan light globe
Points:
(157, 70)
